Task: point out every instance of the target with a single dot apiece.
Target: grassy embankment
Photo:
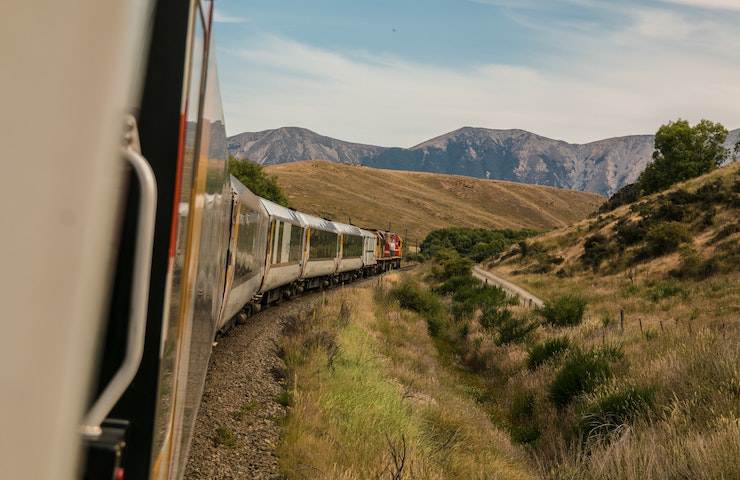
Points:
(657, 396)
(370, 398)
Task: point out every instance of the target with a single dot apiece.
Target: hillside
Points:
(421, 202)
(602, 166)
(662, 387)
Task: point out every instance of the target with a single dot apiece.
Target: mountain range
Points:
(602, 166)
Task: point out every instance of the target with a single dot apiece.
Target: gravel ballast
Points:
(237, 430)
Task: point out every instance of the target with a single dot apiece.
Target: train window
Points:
(296, 244)
(351, 246)
(323, 245)
(277, 241)
(246, 259)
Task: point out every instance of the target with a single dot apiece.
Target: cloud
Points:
(709, 4)
(220, 17)
(652, 70)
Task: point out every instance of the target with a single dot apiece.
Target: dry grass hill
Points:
(669, 404)
(421, 202)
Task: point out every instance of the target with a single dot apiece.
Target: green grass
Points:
(225, 437)
(385, 395)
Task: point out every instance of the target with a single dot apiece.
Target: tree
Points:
(253, 176)
(683, 152)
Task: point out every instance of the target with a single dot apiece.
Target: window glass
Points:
(296, 244)
(351, 246)
(323, 245)
(246, 255)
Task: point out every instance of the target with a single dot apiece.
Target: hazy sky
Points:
(397, 72)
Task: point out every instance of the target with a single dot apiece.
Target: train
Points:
(127, 246)
(276, 253)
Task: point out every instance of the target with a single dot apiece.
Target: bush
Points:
(523, 427)
(581, 373)
(663, 238)
(493, 317)
(423, 302)
(514, 330)
(456, 283)
(623, 196)
(544, 352)
(615, 409)
(564, 311)
(415, 257)
(629, 233)
(474, 243)
(253, 176)
(468, 299)
(456, 266)
(596, 249)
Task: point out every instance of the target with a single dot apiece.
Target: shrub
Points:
(514, 330)
(421, 301)
(544, 352)
(415, 257)
(474, 243)
(564, 311)
(492, 317)
(254, 177)
(581, 373)
(596, 249)
(456, 266)
(665, 237)
(623, 196)
(456, 283)
(615, 409)
(468, 299)
(523, 427)
(724, 232)
(629, 233)
(668, 212)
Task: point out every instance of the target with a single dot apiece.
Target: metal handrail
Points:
(139, 296)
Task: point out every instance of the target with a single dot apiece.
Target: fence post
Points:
(641, 332)
(621, 319)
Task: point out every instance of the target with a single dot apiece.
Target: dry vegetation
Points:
(371, 398)
(667, 403)
(422, 202)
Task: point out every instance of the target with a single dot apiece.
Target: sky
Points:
(398, 72)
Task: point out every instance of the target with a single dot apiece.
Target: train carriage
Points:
(247, 251)
(321, 251)
(284, 252)
(350, 252)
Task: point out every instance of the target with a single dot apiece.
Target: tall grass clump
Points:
(581, 373)
(546, 351)
(522, 421)
(615, 409)
(424, 302)
(564, 311)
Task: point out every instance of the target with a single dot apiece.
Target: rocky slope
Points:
(602, 167)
